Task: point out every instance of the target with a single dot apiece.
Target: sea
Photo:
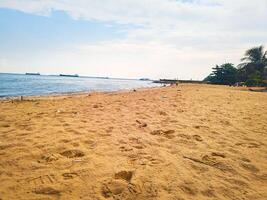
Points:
(12, 85)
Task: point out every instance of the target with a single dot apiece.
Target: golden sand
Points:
(184, 142)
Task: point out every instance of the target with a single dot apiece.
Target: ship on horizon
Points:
(29, 73)
(69, 75)
(144, 79)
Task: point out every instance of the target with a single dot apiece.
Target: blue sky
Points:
(20, 29)
(128, 38)
(24, 34)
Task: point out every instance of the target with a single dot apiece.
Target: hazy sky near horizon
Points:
(128, 38)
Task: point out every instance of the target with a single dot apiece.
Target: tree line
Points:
(252, 71)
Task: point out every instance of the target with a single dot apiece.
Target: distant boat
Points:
(32, 73)
(69, 75)
(144, 79)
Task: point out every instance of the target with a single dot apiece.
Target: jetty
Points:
(174, 81)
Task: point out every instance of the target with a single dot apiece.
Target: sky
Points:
(153, 39)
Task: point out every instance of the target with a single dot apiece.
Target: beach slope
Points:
(182, 142)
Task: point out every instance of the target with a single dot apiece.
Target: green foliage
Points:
(254, 67)
(255, 79)
(226, 74)
(252, 71)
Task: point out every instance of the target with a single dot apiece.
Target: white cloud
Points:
(156, 13)
(183, 37)
(125, 59)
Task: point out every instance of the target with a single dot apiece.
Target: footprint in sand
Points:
(125, 148)
(188, 137)
(141, 124)
(166, 133)
(163, 113)
(248, 145)
(217, 154)
(48, 158)
(75, 144)
(124, 175)
(65, 141)
(119, 189)
(113, 188)
(47, 191)
(72, 153)
(70, 175)
(109, 129)
(156, 132)
(138, 146)
(249, 167)
(245, 159)
(5, 125)
(197, 138)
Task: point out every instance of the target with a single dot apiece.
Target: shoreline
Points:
(66, 94)
(6, 98)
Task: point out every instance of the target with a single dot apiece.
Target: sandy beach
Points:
(175, 143)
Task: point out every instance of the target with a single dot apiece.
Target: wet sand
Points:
(184, 142)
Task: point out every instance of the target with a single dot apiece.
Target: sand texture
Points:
(182, 142)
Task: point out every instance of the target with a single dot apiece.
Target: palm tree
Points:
(255, 64)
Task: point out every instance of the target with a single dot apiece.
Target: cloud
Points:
(175, 21)
(193, 35)
(124, 58)
(136, 59)
(163, 13)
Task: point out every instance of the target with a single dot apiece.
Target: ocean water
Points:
(31, 85)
